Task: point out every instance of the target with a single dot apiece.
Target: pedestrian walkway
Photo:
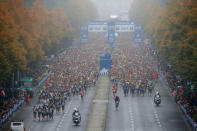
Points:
(97, 116)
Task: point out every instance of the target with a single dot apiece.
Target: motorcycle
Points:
(157, 100)
(76, 119)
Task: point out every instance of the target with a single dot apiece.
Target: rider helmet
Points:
(75, 109)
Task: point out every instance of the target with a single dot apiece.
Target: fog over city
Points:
(110, 7)
(105, 65)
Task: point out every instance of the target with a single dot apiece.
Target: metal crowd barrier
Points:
(42, 81)
(191, 121)
(16, 106)
(11, 111)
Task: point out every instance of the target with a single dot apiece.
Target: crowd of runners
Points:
(133, 68)
(73, 72)
(77, 69)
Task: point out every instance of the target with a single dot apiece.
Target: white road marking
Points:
(131, 117)
(34, 124)
(156, 116)
(100, 101)
(59, 126)
(63, 117)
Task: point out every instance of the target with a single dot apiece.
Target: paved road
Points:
(140, 114)
(135, 114)
(62, 121)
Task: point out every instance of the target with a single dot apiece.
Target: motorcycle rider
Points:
(157, 94)
(76, 113)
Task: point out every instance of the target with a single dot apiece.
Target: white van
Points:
(17, 126)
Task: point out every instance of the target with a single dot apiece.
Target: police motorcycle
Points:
(157, 99)
(76, 117)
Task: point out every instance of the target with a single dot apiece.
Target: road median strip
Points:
(97, 116)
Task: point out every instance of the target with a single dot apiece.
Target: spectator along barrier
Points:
(191, 121)
(188, 117)
(16, 106)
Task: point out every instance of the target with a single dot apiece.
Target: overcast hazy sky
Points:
(108, 7)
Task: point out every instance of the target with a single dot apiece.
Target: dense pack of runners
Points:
(73, 72)
(133, 69)
(77, 69)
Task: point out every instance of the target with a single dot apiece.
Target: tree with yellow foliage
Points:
(173, 29)
(27, 33)
(52, 26)
(79, 12)
(12, 53)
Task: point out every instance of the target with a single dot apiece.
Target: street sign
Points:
(138, 34)
(124, 26)
(111, 34)
(97, 26)
(84, 34)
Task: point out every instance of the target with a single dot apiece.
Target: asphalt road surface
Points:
(135, 113)
(138, 113)
(62, 121)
